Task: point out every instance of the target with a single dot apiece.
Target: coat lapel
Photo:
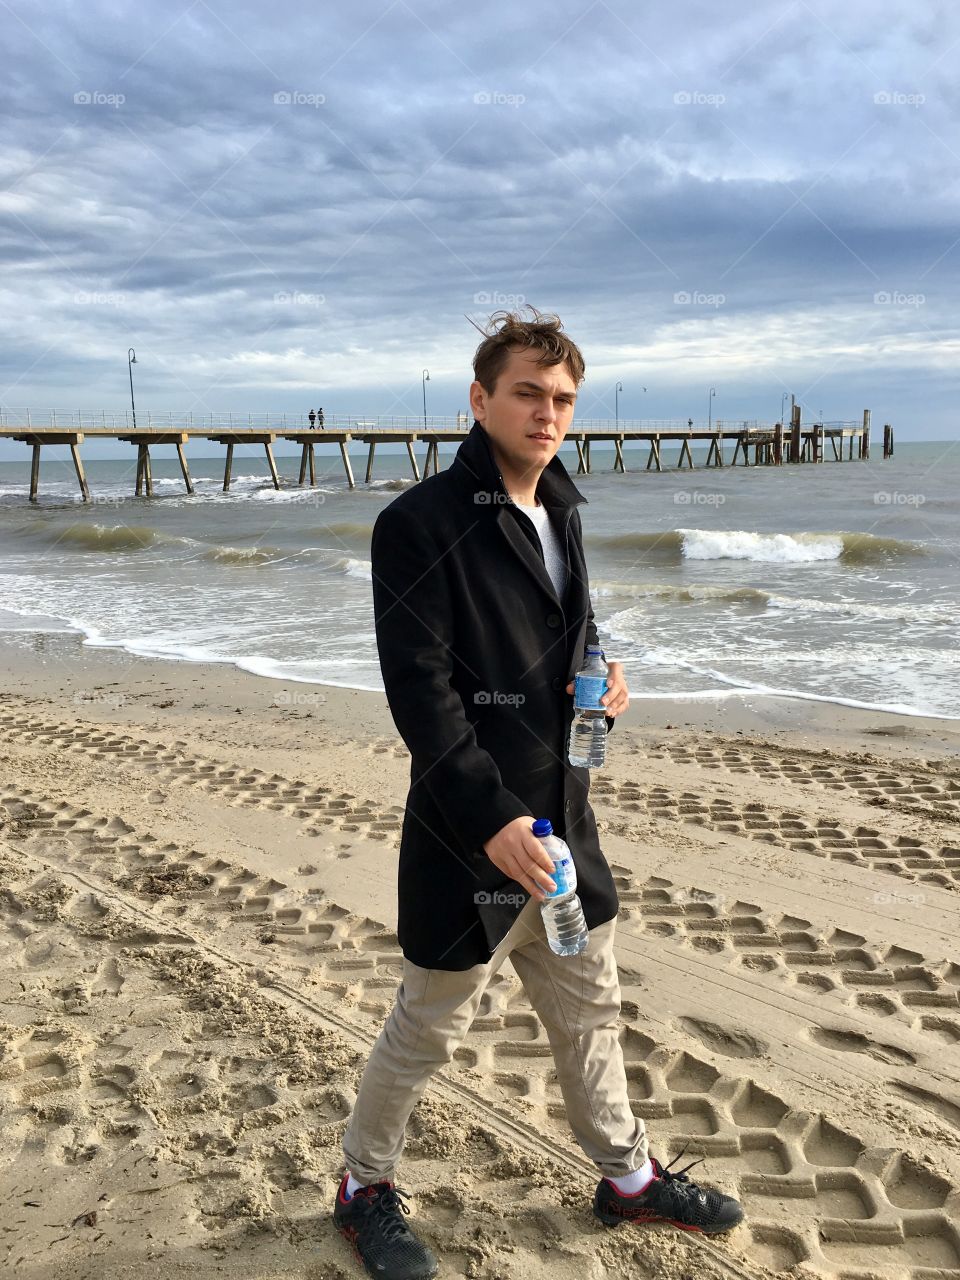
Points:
(527, 552)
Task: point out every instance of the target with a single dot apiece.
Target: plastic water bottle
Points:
(588, 732)
(562, 913)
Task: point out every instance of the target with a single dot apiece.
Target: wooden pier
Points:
(754, 445)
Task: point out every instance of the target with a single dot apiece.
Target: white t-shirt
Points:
(553, 554)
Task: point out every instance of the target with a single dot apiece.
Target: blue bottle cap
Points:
(543, 827)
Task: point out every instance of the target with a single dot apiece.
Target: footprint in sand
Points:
(941, 1107)
(724, 1040)
(856, 1042)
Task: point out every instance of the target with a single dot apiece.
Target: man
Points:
(312, 415)
(482, 615)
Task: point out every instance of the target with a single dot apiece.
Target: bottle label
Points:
(587, 692)
(564, 876)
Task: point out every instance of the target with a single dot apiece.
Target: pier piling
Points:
(184, 469)
(35, 473)
(795, 434)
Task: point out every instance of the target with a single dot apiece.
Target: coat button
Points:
(553, 619)
(566, 806)
(556, 684)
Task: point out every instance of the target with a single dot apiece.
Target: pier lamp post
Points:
(423, 382)
(616, 402)
(783, 401)
(713, 392)
(131, 361)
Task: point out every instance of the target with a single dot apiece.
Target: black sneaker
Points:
(372, 1220)
(670, 1198)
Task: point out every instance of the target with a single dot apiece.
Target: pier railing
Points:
(91, 420)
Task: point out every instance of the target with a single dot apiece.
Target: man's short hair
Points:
(508, 331)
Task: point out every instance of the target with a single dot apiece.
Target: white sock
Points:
(631, 1183)
(352, 1185)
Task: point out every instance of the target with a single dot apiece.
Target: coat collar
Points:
(476, 469)
(475, 466)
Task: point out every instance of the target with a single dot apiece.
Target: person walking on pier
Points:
(313, 417)
(320, 418)
(482, 613)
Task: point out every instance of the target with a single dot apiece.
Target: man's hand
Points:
(617, 698)
(520, 855)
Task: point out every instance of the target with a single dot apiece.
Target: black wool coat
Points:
(476, 651)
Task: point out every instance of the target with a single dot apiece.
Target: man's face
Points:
(528, 413)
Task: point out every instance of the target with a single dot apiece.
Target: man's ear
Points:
(478, 401)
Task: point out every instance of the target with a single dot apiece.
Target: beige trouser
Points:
(577, 998)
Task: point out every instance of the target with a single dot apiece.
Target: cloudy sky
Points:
(283, 205)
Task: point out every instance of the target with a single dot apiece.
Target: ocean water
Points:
(838, 582)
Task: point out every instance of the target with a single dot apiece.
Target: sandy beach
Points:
(197, 908)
